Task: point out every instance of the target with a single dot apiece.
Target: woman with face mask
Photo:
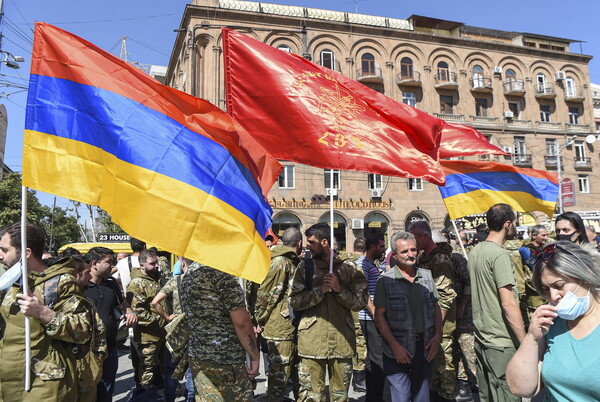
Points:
(569, 227)
(565, 333)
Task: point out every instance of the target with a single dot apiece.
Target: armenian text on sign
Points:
(337, 204)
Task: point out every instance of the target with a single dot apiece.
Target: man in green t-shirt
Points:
(498, 322)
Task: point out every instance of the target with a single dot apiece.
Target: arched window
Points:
(377, 223)
(367, 63)
(285, 48)
(510, 74)
(327, 59)
(443, 71)
(406, 68)
(570, 87)
(283, 221)
(477, 76)
(540, 80)
(339, 228)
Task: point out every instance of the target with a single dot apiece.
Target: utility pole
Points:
(51, 223)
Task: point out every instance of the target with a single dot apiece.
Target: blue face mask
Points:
(10, 276)
(571, 306)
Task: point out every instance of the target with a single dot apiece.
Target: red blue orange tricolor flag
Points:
(473, 187)
(171, 169)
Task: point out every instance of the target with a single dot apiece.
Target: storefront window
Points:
(284, 221)
(339, 228)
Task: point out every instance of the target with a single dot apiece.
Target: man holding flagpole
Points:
(58, 320)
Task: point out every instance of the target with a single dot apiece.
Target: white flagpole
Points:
(24, 281)
(331, 221)
(462, 246)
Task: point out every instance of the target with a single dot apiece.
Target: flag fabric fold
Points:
(171, 169)
(473, 187)
(306, 113)
(461, 140)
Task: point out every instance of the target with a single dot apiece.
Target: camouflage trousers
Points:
(150, 355)
(283, 364)
(360, 356)
(464, 356)
(443, 377)
(311, 373)
(221, 382)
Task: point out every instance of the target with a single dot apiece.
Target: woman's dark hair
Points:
(577, 223)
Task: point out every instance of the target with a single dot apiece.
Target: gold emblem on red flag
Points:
(340, 104)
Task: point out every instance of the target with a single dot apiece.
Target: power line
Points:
(112, 20)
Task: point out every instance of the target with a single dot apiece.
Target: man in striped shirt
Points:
(375, 378)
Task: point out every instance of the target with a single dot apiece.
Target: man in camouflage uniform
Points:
(221, 333)
(58, 320)
(433, 258)
(272, 313)
(326, 338)
(149, 334)
(531, 299)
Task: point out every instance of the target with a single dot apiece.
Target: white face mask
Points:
(571, 306)
(11, 276)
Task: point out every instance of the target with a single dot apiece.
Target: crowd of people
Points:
(421, 320)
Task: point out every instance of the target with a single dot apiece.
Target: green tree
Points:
(105, 222)
(60, 227)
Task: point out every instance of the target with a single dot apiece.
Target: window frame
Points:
(330, 54)
(285, 173)
(545, 115)
(407, 71)
(336, 177)
(583, 181)
(415, 184)
(373, 179)
(407, 99)
(574, 115)
(481, 107)
(370, 63)
(450, 105)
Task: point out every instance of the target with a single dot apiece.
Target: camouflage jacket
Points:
(208, 296)
(140, 292)
(326, 329)
(272, 305)
(439, 263)
(171, 290)
(89, 367)
(52, 358)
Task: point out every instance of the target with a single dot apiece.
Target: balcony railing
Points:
(481, 83)
(546, 125)
(522, 160)
(578, 127)
(583, 162)
(484, 120)
(408, 79)
(575, 94)
(519, 123)
(551, 161)
(372, 74)
(514, 87)
(457, 118)
(445, 79)
(336, 65)
(545, 91)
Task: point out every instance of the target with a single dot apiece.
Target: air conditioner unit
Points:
(497, 70)
(358, 223)
(508, 150)
(332, 192)
(560, 75)
(509, 114)
(376, 193)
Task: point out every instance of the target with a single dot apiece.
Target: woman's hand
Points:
(541, 320)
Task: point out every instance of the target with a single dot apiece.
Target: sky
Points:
(148, 26)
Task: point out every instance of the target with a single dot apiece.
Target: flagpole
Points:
(25, 290)
(462, 246)
(331, 221)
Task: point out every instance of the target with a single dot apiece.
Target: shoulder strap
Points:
(309, 271)
(130, 263)
(51, 291)
(179, 290)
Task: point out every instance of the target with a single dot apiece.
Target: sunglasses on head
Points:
(544, 254)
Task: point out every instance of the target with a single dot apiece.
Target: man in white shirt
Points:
(125, 265)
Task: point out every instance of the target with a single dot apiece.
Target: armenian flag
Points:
(473, 187)
(171, 169)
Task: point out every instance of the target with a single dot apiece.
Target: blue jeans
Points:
(106, 386)
(170, 383)
(189, 383)
(409, 382)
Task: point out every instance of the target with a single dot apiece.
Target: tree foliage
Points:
(105, 222)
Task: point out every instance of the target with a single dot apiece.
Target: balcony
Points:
(545, 91)
(514, 87)
(578, 128)
(583, 163)
(519, 123)
(551, 162)
(546, 125)
(409, 80)
(327, 63)
(456, 118)
(446, 80)
(575, 94)
(523, 160)
(372, 74)
(488, 121)
(481, 84)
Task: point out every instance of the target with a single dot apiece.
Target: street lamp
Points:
(590, 139)
(11, 60)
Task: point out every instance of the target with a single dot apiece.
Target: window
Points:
(409, 98)
(550, 147)
(443, 71)
(375, 181)
(406, 68)
(545, 113)
(367, 63)
(328, 59)
(584, 183)
(573, 115)
(520, 148)
(283, 221)
(481, 107)
(579, 151)
(541, 83)
(285, 48)
(570, 87)
(515, 108)
(446, 104)
(336, 178)
(286, 177)
(511, 84)
(477, 76)
(415, 184)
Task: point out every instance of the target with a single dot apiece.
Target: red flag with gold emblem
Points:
(302, 112)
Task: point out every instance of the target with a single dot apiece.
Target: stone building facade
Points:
(527, 93)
